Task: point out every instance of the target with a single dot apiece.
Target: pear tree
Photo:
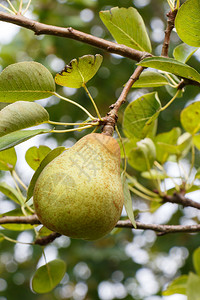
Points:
(122, 156)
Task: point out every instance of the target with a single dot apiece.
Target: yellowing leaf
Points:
(35, 155)
(190, 117)
(79, 71)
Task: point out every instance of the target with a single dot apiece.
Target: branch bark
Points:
(111, 118)
(160, 228)
(71, 33)
(179, 198)
(33, 220)
(170, 25)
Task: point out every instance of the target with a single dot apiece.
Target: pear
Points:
(79, 193)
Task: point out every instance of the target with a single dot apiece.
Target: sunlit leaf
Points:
(49, 157)
(44, 231)
(190, 117)
(143, 157)
(27, 81)
(20, 115)
(183, 52)
(172, 66)
(127, 27)
(166, 138)
(139, 116)
(10, 192)
(177, 286)
(196, 141)
(196, 260)
(187, 22)
(47, 277)
(8, 159)
(15, 138)
(79, 71)
(128, 144)
(150, 79)
(35, 155)
(193, 286)
(128, 200)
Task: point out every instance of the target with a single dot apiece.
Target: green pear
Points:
(79, 193)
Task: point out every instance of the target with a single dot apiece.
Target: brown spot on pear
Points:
(79, 193)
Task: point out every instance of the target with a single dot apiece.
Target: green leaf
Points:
(172, 91)
(172, 66)
(184, 144)
(150, 79)
(196, 260)
(15, 138)
(8, 159)
(183, 52)
(177, 286)
(21, 115)
(50, 156)
(127, 27)
(80, 71)
(187, 22)
(128, 200)
(196, 141)
(26, 81)
(166, 138)
(47, 277)
(190, 117)
(10, 192)
(193, 286)
(16, 227)
(129, 144)
(143, 157)
(140, 116)
(44, 231)
(35, 155)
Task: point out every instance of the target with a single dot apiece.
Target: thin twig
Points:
(111, 118)
(179, 198)
(40, 28)
(45, 240)
(170, 25)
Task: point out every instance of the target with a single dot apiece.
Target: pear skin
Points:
(79, 193)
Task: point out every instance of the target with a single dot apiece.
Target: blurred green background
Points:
(126, 264)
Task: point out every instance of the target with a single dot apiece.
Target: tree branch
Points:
(33, 220)
(160, 228)
(170, 25)
(111, 118)
(179, 198)
(40, 28)
(45, 240)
